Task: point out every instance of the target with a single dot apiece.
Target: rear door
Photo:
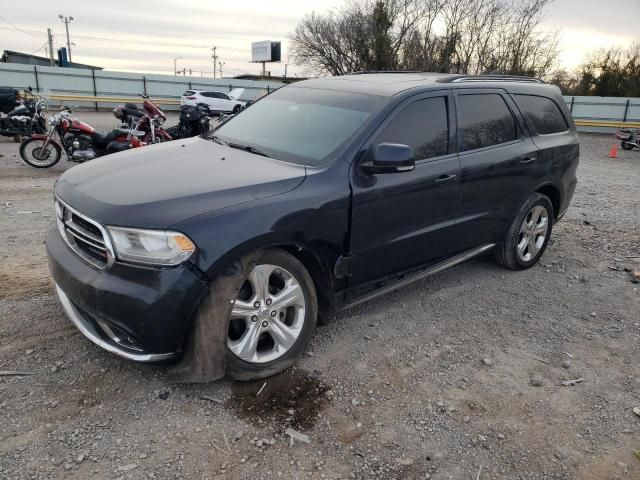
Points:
(407, 219)
(499, 164)
(557, 142)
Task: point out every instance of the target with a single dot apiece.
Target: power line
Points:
(162, 44)
(15, 27)
(43, 45)
(119, 39)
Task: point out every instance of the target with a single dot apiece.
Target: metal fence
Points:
(604, 114)
(592, 114)
(100, 83)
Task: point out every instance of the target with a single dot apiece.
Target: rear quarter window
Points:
(543, 114)
(188, 93)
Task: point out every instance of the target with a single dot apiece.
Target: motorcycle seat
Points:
(101, 141)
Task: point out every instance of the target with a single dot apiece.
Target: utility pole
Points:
(175, 66)
(221, 64)
(50, 36)
(67, 21)
(215, 57)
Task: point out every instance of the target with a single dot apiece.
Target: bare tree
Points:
(457, 36)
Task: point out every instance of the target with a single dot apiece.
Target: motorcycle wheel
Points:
(32, 152)
(626, 146)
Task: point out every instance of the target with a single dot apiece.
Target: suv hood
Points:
(160, 185)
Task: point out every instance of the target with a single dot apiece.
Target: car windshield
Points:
(300, 125)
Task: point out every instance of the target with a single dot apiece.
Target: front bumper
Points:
(96, 331)
(141, 314)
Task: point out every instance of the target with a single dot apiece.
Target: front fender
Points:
(163, 133)
(40, 136)
(313, 217)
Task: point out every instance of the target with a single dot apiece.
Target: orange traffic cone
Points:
(613, 153)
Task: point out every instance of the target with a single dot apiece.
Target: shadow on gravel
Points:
(291, 399)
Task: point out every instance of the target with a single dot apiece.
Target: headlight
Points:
(151, 247)
(58, 208)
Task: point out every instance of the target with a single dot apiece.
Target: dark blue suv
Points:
(223, 250)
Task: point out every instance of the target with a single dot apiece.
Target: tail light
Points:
(191, 98)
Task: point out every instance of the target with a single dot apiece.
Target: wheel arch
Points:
(317, 264)
(552, 192)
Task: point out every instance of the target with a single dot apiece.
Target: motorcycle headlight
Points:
(151, 247)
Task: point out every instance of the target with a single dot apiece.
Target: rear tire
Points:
(528, 235)
(290, 293)
(31, 152)
(626, 146)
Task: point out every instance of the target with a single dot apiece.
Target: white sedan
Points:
(218, 102)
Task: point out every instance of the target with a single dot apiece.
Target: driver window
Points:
(422, 125)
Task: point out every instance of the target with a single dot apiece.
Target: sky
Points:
(147, 36)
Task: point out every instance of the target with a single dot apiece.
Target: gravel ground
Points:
(456, 377)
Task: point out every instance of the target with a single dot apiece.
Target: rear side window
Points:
(542, 114)
(422, 125)
(188, 93)
(485, 120)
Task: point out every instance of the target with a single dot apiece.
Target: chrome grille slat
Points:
(81, 235)
(99, 246)
(71, 225)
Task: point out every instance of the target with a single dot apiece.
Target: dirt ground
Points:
(456, 377)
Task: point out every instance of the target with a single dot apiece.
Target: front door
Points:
(407, 219)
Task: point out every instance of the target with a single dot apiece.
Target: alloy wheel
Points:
(267, 316)
(533, 233)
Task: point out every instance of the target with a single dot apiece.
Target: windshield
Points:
(300, 125)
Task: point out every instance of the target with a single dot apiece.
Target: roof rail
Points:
(368, 72)
(493, 78)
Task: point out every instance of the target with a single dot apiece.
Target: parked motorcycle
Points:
(194, 120)
(79, 141)
(629, 138)
(25, 116)
(150, 122)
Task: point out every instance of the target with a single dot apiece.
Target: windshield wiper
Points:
(249, 149)
(218, 140)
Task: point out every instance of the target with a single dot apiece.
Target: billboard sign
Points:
(266, 51)
(261, 51)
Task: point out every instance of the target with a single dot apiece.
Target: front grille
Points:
(86, 237)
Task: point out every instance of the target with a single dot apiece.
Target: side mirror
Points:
(391, 158)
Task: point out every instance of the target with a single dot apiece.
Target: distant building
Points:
(9, 56)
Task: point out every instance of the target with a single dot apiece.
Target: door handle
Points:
(445, 178)
(528, 159)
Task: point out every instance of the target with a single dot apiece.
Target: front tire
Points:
(528, 235)
(272, 319)
(32, 152)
